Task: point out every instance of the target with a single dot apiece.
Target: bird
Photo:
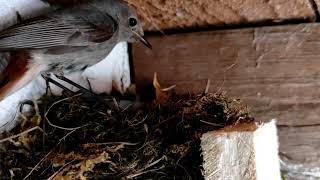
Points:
(66, 40)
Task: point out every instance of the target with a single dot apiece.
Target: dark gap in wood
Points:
(297, 126)
(315, 9)
(131, 64)
(282, 154)
(230, 27)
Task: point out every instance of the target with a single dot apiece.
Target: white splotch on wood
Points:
(242, 152)
(113, 71)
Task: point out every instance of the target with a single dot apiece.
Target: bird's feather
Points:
(4, 61)
(75, 27)
(65, 3)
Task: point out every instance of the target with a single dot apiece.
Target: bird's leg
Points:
(25, 102)
(83, 89)
(48, 80)
(89, 84)
(94, 96)
(48, 89)
(21, 106)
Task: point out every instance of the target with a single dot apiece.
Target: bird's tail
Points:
(15, 72)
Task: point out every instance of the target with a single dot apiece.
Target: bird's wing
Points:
(75, 27)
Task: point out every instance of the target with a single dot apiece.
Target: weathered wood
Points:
(242, 152)
(316, 4)
(177, 14)
(275, 70)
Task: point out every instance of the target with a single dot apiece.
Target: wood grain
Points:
(178, 14)
(275, 70)
(239, 153)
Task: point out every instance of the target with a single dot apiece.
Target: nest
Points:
(80, 137)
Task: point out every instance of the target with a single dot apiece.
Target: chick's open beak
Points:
(142, 39)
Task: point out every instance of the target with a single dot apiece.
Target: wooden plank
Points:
(177, 14)
(276, 70)
(242, 152)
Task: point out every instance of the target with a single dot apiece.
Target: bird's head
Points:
(130, 27)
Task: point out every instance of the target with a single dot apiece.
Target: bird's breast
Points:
(71, 61)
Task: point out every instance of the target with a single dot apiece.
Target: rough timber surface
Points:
(276, 70)
(178, 14)
(241, 152)
(317, 5)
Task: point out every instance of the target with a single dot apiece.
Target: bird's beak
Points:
(142, 39)
(145, 42)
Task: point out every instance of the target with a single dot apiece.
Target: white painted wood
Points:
(242, 152)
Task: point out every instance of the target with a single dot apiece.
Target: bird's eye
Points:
(132, 22)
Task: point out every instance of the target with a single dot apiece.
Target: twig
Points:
(210, 123)
(127, 107)
(59, 127)
(100, 112)
(38, 164)
(224, 76)
(154, 163)
(166, 120)
(141, 171)
(20, 134)
(207, 86)
(112, 143)
(63, 167)
(44, 171)
(144, 119)
(68, 134)
(184, 170)
(144, 172)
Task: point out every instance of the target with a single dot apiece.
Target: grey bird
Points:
(65, 40)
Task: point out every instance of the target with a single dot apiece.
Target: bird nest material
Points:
(76, 137)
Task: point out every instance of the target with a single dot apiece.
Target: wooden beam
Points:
(179, 14)
(242, 152)
(275, 70)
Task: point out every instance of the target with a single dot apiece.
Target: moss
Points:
(119, 138)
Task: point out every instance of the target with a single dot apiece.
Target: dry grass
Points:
(84, 138)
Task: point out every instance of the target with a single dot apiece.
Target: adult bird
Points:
(66, 40)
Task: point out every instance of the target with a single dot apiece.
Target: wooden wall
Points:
(275, 70)
(180, 14)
